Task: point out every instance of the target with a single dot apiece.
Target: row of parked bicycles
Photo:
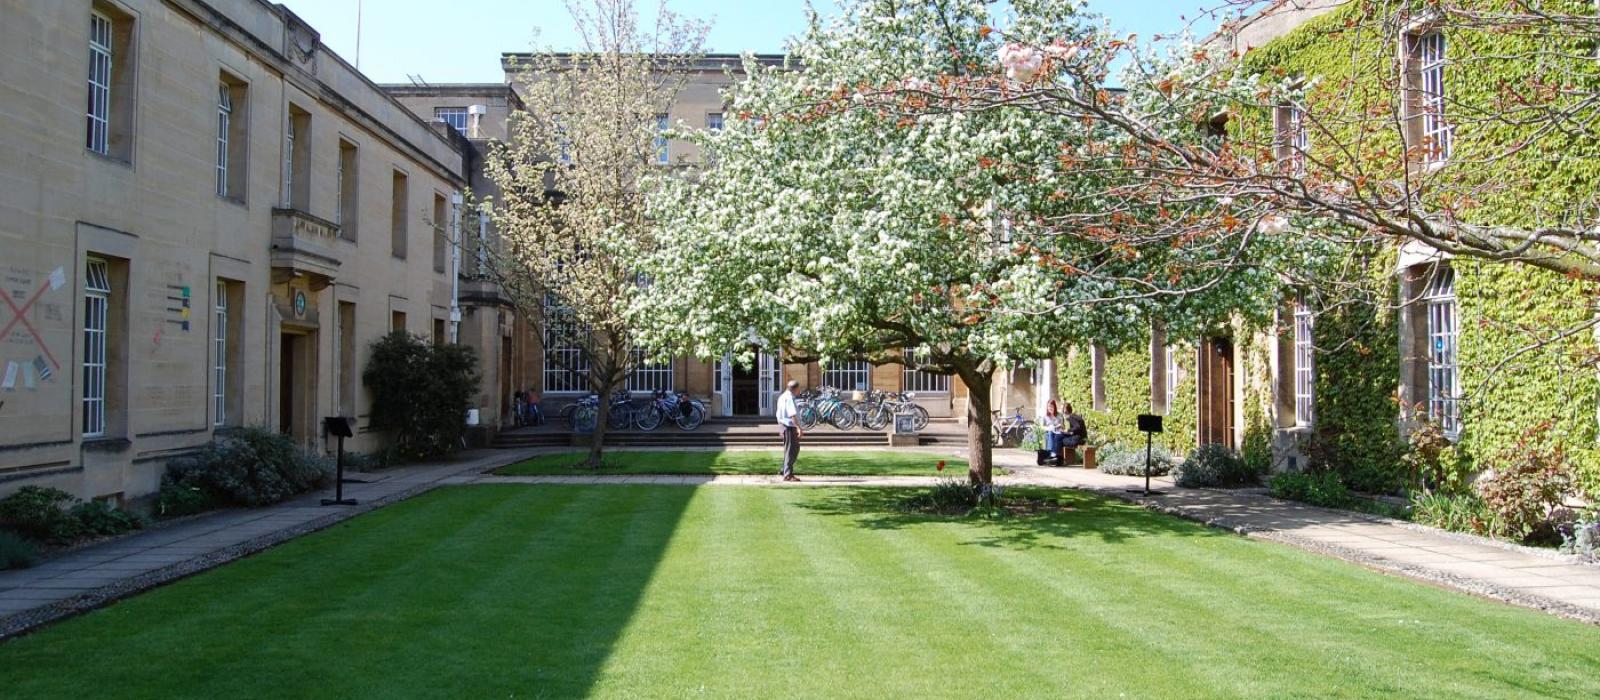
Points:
(645, 414)
(876, 411)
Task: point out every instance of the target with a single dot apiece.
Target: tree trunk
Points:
(980, 431)
(602, 418)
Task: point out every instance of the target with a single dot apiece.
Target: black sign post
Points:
(340, 427)
(1149, 425)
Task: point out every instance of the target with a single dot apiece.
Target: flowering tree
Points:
(849, 214)
(1440, 119)
(569, 208)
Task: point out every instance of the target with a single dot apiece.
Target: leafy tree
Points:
(420, 392)
(570, 176)
(851, 211)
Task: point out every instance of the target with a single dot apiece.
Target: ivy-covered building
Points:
(1461, 343)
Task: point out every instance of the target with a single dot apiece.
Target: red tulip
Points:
(941, 465)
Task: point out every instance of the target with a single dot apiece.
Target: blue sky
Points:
(458, 41)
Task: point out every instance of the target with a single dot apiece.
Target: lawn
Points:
(811, 462)
(741, 592)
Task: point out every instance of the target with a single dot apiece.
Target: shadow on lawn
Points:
(1057, 516)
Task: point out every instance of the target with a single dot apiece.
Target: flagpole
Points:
(358, 35)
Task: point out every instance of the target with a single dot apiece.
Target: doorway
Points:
(746, 391)
(1215, 384)
(296, 386)
(751, 391)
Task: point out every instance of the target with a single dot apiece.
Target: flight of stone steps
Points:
(736, 431)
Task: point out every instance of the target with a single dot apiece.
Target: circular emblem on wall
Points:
(299, 304)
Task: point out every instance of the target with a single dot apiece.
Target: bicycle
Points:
(834, 410)
(1009, 429)
(623, 412)
(903, 404)
(583, 414)
(873, 412)
(805, 411)
(686, 412)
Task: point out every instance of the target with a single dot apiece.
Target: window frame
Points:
(663, 148)
(1294, 138)
(647, 376)
(224, 126)
(834, 373)
(219, 339)
(561, 334)
(1304, 365)
(1429, 51)
(1443, 333)
(96, 335)
(102, 54)
(922, 382)
(448, 114)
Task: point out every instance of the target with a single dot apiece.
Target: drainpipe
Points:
(455, 267)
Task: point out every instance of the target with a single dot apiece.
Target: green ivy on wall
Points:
(1514, 376)
(1127, 384)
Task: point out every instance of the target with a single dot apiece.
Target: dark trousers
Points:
(791, 449)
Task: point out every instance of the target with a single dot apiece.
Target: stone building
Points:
(730, 389)
(1461, 344)
(206, 216)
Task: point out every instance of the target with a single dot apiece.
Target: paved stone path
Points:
(96, 575)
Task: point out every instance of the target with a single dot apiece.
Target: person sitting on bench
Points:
(1054, 435)
(1077, 432)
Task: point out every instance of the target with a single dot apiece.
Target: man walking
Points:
(791, 430)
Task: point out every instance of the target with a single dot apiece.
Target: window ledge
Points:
(236, 201)
(106, 444)
(110, 158)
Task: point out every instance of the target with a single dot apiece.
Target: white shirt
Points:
(786, 410)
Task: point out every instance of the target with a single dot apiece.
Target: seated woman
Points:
(1055, 434)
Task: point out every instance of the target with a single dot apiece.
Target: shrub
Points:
(16, 552)
(1455, 512)
(1434, 463)
(421, 392)
(1034, 440)
(179, 497)
(1213, 465)
(371, 461)
(1318, 489)
(1582, 537)
(1355, 465)
(250, 467)
(1117, 458)
(948, 497)
(1529, 481)
(102, 518)
(40, 513)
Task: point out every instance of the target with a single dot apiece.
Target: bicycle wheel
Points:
(621, 417)
(919, 417)
(805, 416)
(877, 417)
(692, 418)
(583, 419)
(649, 418)
(842, 417)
